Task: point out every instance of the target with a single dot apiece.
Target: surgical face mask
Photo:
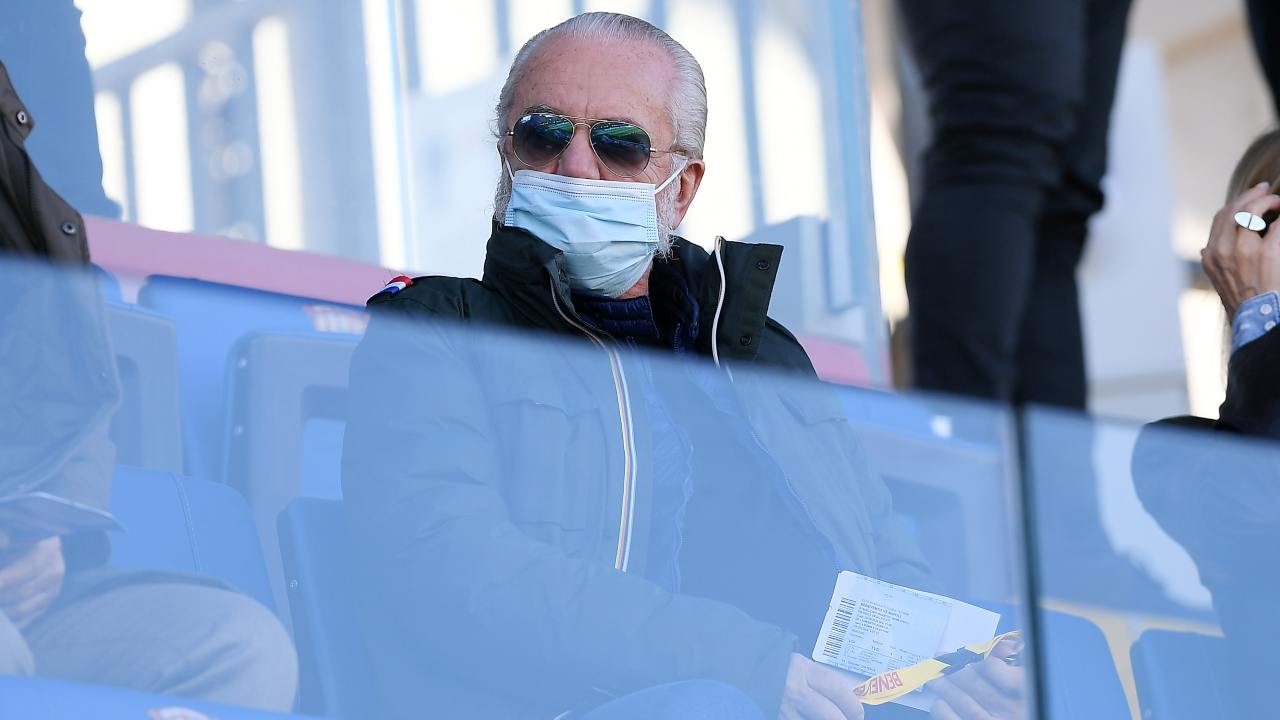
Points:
(607, 230)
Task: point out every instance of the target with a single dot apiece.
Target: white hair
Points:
(689, 105)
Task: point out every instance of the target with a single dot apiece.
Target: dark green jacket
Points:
(498, 483)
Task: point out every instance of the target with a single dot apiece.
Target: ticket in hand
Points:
(873, 627)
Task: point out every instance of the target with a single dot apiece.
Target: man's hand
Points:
(30, 578)
(817, 692)
(1242, 263)
(987, 690)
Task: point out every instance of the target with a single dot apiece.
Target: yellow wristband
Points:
(893, 684)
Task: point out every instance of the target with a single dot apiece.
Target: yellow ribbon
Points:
(893, 684)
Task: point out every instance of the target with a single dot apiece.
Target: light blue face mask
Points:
(607, 230)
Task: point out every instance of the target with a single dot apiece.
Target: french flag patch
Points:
(397, 284)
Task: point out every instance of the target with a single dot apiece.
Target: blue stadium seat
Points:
(1080, 676)
(288, 415)
(1181, 676)
(45, 699)
(187, 525)
(953, 494)
(146, 428)
(316, 547)
(210, 318)
(109, 284)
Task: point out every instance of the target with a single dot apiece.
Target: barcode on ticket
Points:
(839, 627)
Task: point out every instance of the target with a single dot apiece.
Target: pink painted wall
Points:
(132, 252)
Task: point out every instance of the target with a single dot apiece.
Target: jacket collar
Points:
(531, 276)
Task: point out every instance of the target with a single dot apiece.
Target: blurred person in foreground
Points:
(1218, 492)
(560, 525)
(64, 611)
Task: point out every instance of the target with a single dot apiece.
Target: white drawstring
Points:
(715, 323)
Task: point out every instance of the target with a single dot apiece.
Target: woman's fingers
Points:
(1248, 196)
(1259, 206)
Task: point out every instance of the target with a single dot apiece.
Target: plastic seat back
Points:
(146, 428)
(109, 284)
(1080, 675)
(210, 318)
(187, 525)
(1181, 676)
(288, 415)
(316, 547)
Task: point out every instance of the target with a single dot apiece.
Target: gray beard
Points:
(666, 200)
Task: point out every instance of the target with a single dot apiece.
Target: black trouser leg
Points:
(1019, 93)
(1264, 21)
(1050, 357)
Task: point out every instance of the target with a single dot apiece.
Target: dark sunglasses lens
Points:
(539, 137)
(622, 147)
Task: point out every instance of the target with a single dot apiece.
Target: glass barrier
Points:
(390, 513)
(228, 486)
(519, 516)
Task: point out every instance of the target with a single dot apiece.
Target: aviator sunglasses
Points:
(624, 148)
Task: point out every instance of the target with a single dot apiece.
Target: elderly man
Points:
(579, 527)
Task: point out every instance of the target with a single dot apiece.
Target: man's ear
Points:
(690, 180)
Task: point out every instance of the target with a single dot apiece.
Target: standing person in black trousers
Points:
(1020, 94)
(1264, 23)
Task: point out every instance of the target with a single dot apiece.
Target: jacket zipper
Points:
(715, 325)
(622, 559)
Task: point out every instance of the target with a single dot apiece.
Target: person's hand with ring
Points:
(1242, 262)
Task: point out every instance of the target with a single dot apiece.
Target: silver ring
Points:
(1249, 221)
